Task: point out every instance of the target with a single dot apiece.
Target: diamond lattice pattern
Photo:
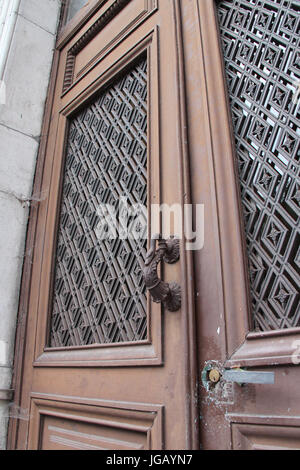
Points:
(99, 294)
(260, 41)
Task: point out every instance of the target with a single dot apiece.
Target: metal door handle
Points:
(212, 374)
(169, 294)
(248, 376)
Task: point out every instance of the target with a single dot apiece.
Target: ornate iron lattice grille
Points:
(260, 41)
(99, 293)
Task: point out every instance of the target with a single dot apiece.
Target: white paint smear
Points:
(3, 352)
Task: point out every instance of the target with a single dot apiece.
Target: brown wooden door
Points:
(98, 364)
(119, 371)
(245, 170)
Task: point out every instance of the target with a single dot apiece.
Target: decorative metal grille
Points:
(99, 294)
(260, 42)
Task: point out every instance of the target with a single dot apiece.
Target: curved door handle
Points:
(169, 294)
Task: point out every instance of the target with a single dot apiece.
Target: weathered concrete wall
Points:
(26, 74)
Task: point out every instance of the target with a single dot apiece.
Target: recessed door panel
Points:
(252, 437)
(99, 294)
(94, 425)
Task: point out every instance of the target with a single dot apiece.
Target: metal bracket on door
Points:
(248, 376)
(211, 375)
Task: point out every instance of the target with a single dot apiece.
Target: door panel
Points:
(99, 368)
(225, 313)
(251, 437)
(94, 425)
(130, 142)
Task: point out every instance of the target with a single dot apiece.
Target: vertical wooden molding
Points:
(188, 305)
(69, 72)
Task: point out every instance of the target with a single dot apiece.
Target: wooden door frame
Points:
(221, 153)
(107, 355)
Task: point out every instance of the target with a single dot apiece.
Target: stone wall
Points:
(27, 38)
